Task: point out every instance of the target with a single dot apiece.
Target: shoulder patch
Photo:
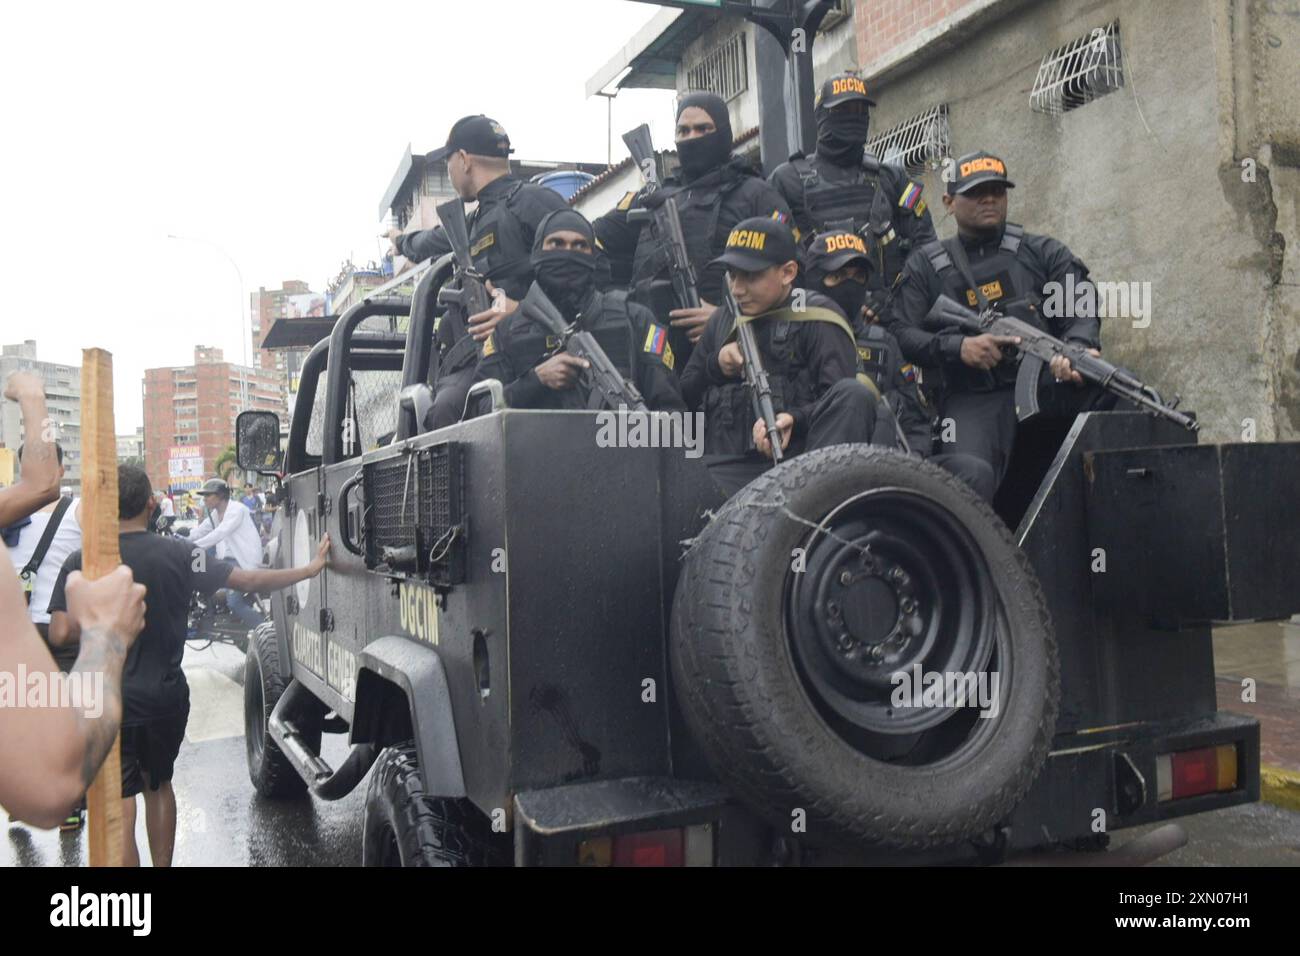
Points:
(625, 203)
(656, 343)
(490, 345)
(486, 241)
(911, 195)
(920, 209)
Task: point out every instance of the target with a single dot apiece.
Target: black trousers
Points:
(449, 394)
(974, 471)
(846, 413)
(984, 423)
(983, 426)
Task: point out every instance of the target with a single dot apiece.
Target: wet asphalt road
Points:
(222, 821)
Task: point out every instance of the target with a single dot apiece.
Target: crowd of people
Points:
(125, 632)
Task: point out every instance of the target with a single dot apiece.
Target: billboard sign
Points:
(185, 466)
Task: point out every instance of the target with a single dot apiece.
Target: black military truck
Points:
(548, 641)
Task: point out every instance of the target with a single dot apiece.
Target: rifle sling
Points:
(813, 314)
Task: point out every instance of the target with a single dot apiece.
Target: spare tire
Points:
(807, 607)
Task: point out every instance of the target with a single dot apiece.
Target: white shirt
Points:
(236, 537)
(168, 509)
(66, 540)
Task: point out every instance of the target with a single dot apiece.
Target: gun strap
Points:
(957, 252)
(47, 538)
(813, 313)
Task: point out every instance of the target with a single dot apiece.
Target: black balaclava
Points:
(705, 153)
(567, 277)
(842, 136)
(849, 295)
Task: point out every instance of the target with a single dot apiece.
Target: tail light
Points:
(1190, 773)
(691, 846)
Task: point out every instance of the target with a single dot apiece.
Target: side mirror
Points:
(257, 442)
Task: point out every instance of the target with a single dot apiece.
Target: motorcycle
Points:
(210, 621)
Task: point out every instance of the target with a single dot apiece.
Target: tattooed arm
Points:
(49, 754)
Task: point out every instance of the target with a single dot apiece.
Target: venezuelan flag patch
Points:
(909, 372)
(911, 196)
(656, 339)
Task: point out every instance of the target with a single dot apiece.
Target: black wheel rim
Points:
(892, 583)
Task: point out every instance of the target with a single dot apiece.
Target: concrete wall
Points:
(1145, 184)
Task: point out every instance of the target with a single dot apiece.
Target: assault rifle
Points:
(760, 390)
(472, 294)
(602, 375)
(664, 219)
(1038, 348)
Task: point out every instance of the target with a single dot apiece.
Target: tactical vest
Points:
(700, 210)
(729, 408)
(1007, 284)
(501, 245)
(849, 206)
(607, 319)
(501, 249)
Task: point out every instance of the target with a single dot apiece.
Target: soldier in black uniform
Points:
(807, 350)
(713, 192)
(842, 186)
(838, 265)
(501, 232)
(521, 353)
(990, 262)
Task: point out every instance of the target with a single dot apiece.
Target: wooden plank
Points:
(100, 556)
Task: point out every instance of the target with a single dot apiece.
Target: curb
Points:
(1280, 787)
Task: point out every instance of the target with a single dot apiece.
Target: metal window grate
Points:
(915, 143)
(723, 70)
(1079, 72)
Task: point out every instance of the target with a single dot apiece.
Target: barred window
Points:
(1077, 73)
(915, 143)
(723, 70)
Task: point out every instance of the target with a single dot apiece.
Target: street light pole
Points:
(243, 330)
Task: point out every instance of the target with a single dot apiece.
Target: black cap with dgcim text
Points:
(757, 243)
(976, 168)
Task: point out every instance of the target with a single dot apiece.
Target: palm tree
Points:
(226, 463)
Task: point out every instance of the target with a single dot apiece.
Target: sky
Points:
(266, 134)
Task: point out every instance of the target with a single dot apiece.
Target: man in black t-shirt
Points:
(155, 696)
